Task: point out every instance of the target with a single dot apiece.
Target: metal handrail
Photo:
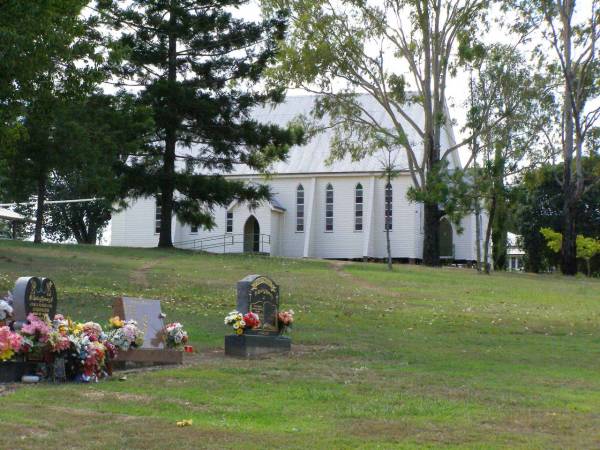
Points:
(224, 240)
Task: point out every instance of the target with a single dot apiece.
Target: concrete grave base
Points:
(250, 345)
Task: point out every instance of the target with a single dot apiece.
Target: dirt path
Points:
(338, 267)
(138, 276)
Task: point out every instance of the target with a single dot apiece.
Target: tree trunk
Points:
(589, 268)
(167, 186)
(92, 235)
(568, 263)
(431, 238)
(478, 234)
(488, 235)
(39, 213)
(499, 232)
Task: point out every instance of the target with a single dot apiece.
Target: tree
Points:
(338, 48)
(587, 247)
(576, 64)
(98, 132)
(198, 67)
(509, 110)
(71, 72)
(33, 37)
(539, 199)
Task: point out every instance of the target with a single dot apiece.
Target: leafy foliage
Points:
(197, 67)
(539, 203)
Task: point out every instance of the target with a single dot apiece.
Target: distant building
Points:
(514, 254)
(317, 210)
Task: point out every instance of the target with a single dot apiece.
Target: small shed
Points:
(13, 218)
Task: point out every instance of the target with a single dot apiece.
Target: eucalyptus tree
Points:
(571, 32)
(510, 113)
(399, 51)
(198, 65)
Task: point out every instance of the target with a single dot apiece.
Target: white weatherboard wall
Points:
(135, 226)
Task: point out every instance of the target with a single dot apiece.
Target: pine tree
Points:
(198, 66)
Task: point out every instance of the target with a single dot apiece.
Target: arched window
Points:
(329, 207)
(358, 207)
(300, 208)
(388, 206)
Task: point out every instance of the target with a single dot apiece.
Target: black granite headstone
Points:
(260, 295)
(34, 295)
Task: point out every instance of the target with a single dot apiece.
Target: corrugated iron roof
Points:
(7, 214)
(312, 157)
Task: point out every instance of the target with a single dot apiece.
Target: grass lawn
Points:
(409, 359)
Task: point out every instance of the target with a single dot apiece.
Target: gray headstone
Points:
(34, 295)
(260, 295)
(149, 317)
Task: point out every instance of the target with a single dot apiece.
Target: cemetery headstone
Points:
(34, 295)
(260, 295)
(30, 295)
(149, 317)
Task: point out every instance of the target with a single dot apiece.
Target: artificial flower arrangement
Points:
(10, 343)
(124, 335)
(86, 348)
(241, 322)
(285, 319)
(175, 336)
(6, 309)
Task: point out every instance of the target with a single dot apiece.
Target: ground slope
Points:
(414, 358)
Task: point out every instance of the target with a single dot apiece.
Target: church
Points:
(317, 210)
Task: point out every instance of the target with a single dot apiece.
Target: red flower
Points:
(252, 320)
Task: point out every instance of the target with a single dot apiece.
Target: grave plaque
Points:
(149, 317)
(34, 295)
(260, 295)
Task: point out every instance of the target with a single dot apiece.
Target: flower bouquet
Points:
(285, 320)
(175, 336)
(241, 322)
(125, 335)
(6, 309)
(10, 343)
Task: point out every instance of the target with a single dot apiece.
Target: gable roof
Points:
(7, 214)
(312, 157)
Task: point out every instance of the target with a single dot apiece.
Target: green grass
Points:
(415, 358)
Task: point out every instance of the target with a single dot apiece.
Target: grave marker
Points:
(260, 295)
(147, 313)
(34, 295)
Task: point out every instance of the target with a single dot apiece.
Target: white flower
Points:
(242, 323)
(5, 309)
(235, 326)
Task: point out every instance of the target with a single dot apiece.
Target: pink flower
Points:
(36, 328)
(9, 340)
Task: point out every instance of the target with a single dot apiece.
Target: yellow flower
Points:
(6, 354)
(116, 322)
(239, 331)
(77, 329)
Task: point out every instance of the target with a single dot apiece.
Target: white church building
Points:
(317, 210)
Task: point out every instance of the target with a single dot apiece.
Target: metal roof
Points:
(7, 214)
(312, 157)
